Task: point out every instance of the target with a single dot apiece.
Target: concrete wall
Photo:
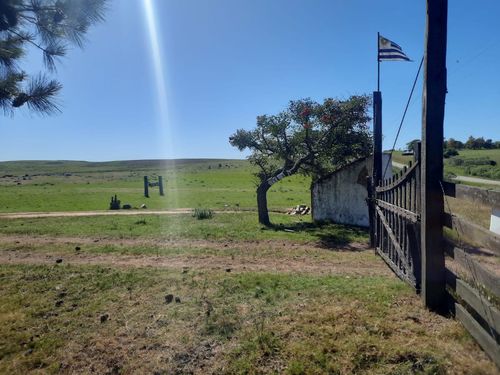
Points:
(341, 197)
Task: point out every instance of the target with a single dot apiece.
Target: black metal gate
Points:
(396, 221)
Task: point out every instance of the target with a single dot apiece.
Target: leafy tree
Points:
(453, 144)
(475, 143)
(49, 26)
(306, 137)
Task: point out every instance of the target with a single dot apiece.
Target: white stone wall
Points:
(341, 197)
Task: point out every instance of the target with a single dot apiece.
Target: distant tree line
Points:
(471, 144)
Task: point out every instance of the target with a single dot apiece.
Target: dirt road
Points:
(33, 215)
(460, 178)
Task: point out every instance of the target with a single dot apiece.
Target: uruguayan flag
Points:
(390, 51)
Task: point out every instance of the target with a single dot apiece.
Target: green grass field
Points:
(171, 294)
(76, 186)
(466, 155)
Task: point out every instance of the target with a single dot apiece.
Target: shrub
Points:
(449, 152)
(479, 161)
(203, 213)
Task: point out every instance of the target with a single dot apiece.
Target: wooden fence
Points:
(473, 287)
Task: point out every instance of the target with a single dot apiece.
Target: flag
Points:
(390, 51)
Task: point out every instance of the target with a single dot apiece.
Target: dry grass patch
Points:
(82, 319)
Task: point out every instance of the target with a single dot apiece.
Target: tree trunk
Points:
(262, 203)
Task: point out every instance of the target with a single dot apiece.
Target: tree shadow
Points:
(328, 235)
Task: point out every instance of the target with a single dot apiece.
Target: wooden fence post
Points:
(377, 137)
(377, 161)
(432, 208)
(160, 185)
(371, 209)
(146, 187)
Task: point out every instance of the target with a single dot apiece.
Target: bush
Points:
(203, 213)
(449, 152)
(478, 161)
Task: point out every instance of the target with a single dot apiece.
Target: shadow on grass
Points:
(329, 235)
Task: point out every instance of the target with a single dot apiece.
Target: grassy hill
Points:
(467, 163)
(79, 185)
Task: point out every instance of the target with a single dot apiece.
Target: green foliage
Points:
(478, 166)
(449, 152)
(203, 213)
(479, 143)
(306, 137)
(310, 137)
(49, 26)
(453, 144)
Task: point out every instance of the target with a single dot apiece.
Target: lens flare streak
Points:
(164, 126)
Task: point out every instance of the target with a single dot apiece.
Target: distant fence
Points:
(474, 288)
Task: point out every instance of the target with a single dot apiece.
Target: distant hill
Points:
(30, 167)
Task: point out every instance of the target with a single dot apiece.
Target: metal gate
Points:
(396, 220)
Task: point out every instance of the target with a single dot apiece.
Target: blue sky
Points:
(227, 61)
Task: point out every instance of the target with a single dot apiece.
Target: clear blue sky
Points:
(227, 61)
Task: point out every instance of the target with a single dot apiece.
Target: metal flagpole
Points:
(378, 62)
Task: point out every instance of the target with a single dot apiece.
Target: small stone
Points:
(169, 298)
(104, 317)
(143, 206)
(28, 352)
(177, 300)
(59, 260)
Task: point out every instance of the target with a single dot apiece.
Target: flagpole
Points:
(378, 62)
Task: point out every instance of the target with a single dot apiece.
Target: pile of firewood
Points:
(299, 210)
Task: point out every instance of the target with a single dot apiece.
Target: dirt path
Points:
(262, 256)
(459, 178)
(243, 263)
(34, 215)
(272, 244)
(477, 180)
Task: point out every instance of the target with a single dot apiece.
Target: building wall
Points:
(341, 197)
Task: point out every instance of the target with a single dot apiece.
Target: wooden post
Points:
(160, 185)
(432, 208)
(377, 137)
(371, 209)
(377, 161)
(146, 187)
